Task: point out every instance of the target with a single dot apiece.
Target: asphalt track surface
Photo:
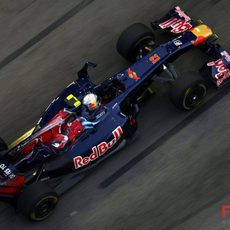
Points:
(176, 173)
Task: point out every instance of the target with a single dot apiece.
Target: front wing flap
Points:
(219, 64)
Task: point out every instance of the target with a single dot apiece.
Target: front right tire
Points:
(188, 91)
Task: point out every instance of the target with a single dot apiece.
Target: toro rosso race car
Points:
(69, 139)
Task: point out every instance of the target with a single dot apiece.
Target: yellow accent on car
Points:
(77, 102)
(22, 138)
(202, 30)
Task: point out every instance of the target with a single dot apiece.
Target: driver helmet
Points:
(91, 101)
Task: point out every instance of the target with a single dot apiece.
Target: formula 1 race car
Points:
(66, 143)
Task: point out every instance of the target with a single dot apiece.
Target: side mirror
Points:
(3, 145)
(83, 72)
(91, 64)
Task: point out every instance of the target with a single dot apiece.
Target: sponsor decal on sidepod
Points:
(98, 150)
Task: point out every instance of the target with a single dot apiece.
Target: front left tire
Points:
(135, 42)
(37, 201)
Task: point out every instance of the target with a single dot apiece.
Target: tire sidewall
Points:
(131, 37)
(188, 91)
(32, 214)
(183, 85)
(133, 49)
(34, 194)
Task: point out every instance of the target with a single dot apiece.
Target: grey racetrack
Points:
(175, 175)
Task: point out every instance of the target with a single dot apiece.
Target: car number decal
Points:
(155, 58)
(71, 99)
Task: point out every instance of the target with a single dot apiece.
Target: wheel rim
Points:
(44, 208)
(194, 96)
(143, 47)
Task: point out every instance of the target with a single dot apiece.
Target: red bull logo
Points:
(132, 75)
(177, 25)
(222, 71)
(99, 150)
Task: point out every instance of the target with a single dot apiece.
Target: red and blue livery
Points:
(68, 140)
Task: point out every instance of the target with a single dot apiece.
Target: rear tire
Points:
(188, 91)
(134, 40)
(37, 201)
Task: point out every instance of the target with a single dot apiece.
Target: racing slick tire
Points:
(37, 201)
(188, 91)
(135, 42)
